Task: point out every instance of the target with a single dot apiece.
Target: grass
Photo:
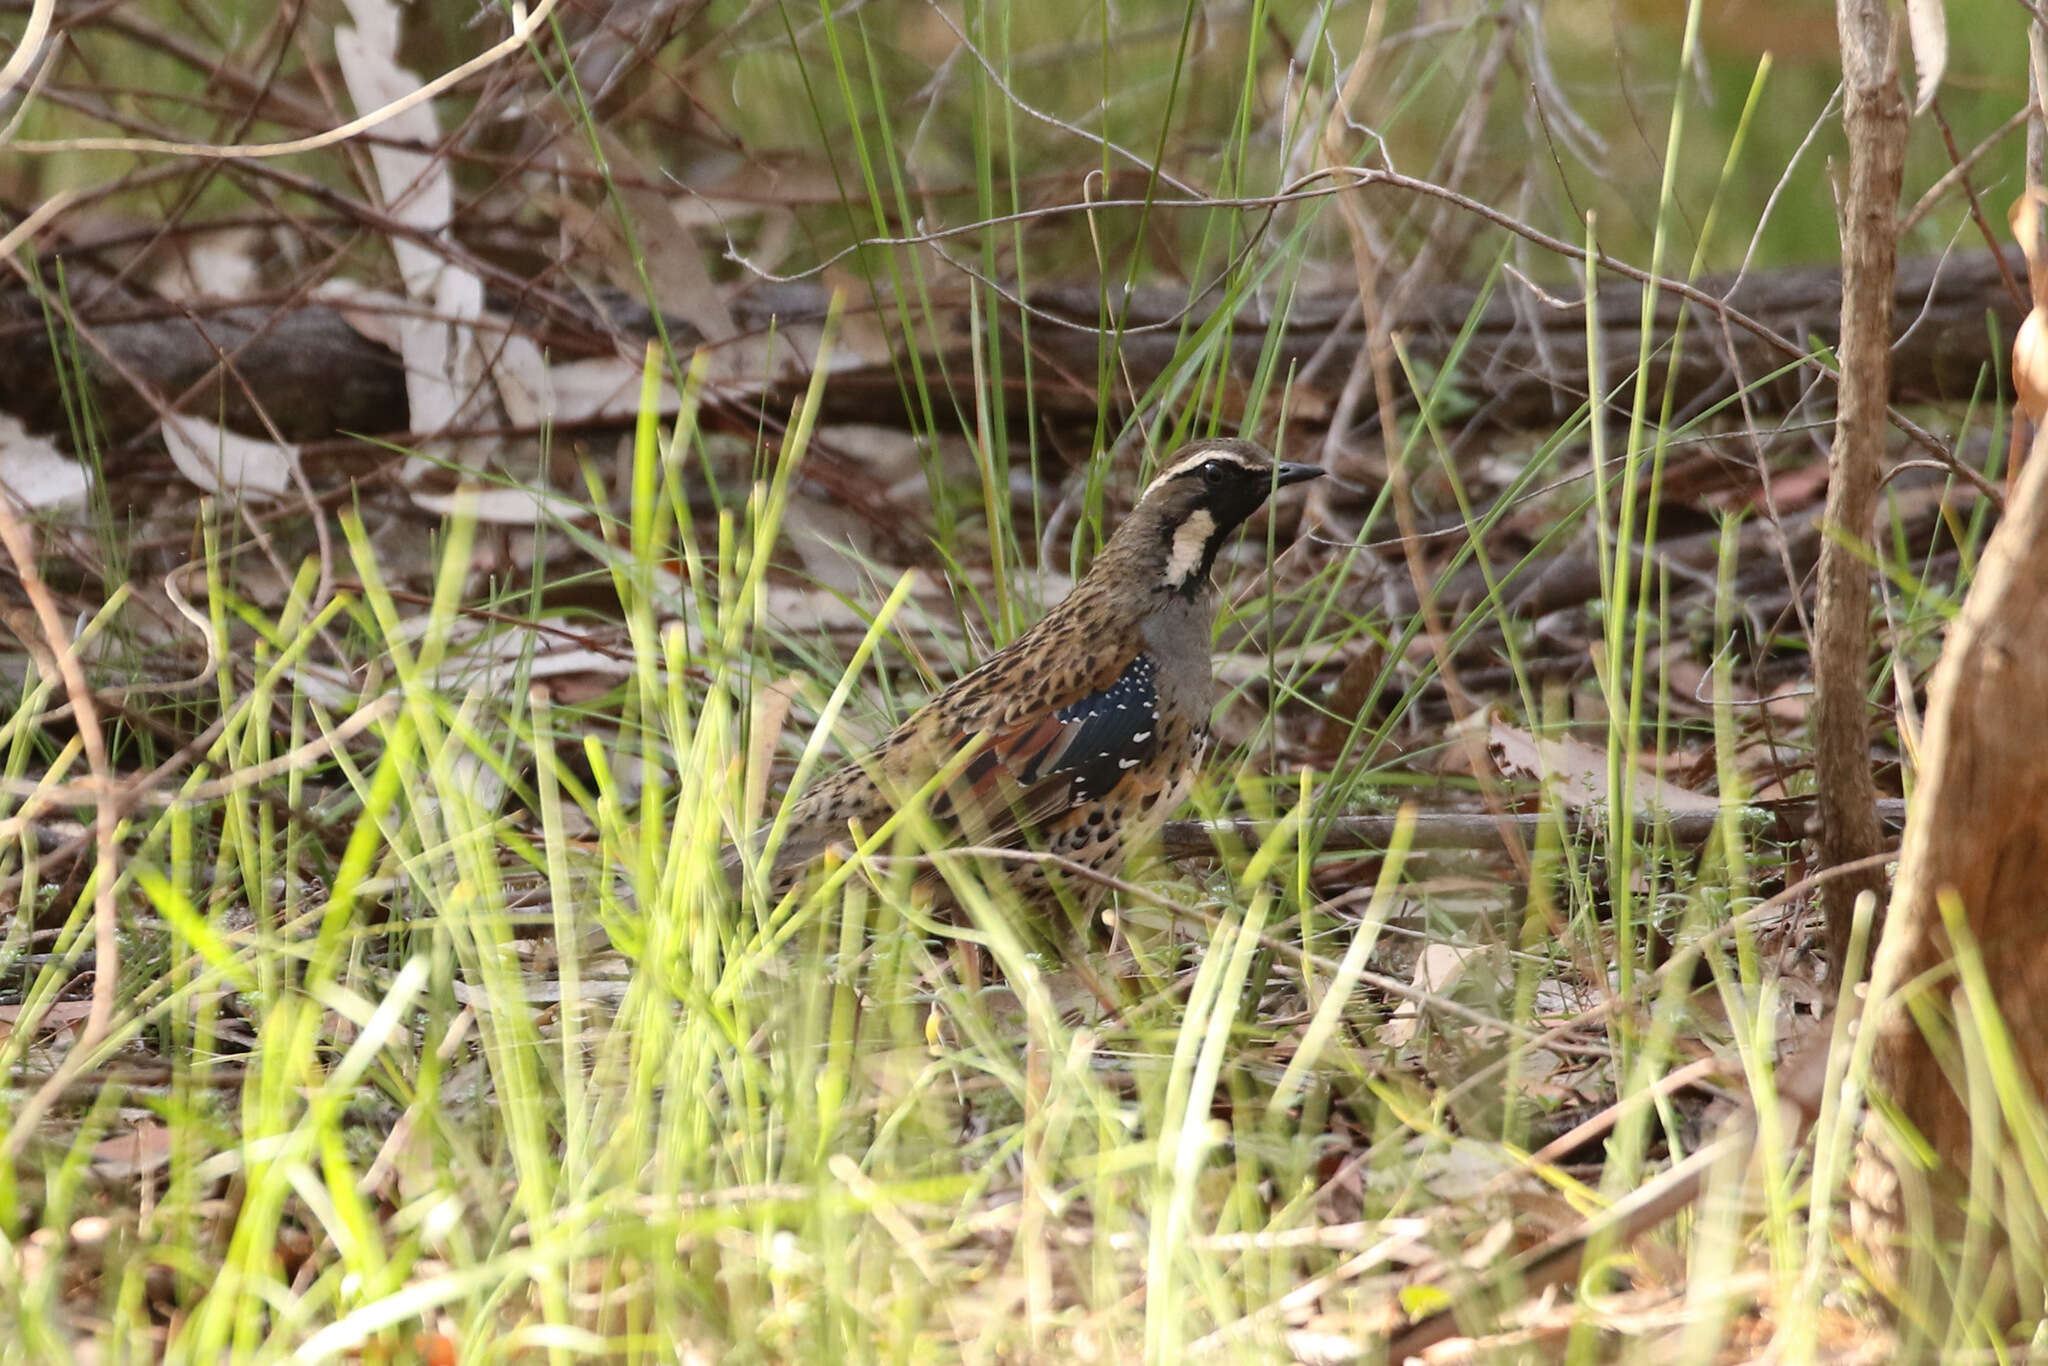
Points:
(471, 1050)
(441, 1035)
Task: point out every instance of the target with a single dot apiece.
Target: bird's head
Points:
(1203, 494)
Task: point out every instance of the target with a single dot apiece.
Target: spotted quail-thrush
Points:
(1083, 736)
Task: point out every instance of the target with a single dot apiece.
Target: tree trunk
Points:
(1977, 836)
(1874, 113)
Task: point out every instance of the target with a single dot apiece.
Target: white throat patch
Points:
(1190, 542)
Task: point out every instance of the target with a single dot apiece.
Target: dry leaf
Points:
(1436, 969)
(144, 1148)
(34, 472)
(219, 265)
(771, 714)
(670, 254)
(1927, 26)
(228, 464)
(2030, 345)
(1577, 772)
(65, 1016)
(416, 188)
(504, 507)
(601, 387)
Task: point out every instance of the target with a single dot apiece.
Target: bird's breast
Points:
(1177, 635)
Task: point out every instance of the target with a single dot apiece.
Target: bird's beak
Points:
(1288, 473)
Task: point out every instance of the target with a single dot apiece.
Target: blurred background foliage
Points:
(959, 112)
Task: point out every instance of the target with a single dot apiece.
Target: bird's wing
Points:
(1027, 775)
(1007, 776)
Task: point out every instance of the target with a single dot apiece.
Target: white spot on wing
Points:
(1190, 542)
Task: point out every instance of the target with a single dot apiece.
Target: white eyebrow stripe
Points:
(1200, 456)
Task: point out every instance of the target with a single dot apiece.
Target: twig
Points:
(524, 27)
(109, 799)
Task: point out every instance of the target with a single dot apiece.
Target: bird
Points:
(1084, 734)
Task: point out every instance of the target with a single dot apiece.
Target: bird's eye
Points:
(1213, 473)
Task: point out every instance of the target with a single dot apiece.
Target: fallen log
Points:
(1525, 361)
(1783, 822)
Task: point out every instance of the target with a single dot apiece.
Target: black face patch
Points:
(1204, 497)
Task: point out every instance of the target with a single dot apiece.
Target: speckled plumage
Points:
(1084, 734)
